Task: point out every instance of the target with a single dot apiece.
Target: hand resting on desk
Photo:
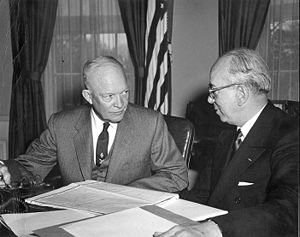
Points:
(202, 229)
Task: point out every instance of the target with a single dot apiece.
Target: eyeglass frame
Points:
(211, 91)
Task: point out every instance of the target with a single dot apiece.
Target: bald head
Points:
(101, 66)
(239, 84)
(245, 66)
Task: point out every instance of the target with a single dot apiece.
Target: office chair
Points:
(183, 133)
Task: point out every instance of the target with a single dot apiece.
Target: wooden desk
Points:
(48, 221)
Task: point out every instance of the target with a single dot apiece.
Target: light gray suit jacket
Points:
(144, 153)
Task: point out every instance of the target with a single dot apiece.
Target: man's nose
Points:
(119, 101)
(210, 100)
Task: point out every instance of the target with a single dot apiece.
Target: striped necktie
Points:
(238, 140)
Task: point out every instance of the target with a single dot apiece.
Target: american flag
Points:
(158, 66)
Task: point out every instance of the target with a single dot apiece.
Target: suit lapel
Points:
(250, 150)
(83, 143)
(120, 152)
(221, 155)
(230, 176)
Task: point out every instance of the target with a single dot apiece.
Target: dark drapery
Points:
(241, 23)
(32, 24)
(133, 13)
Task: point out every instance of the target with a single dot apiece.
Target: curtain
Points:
(84, 29)
(241, 23)
(133, 14)
(32, 23)
(279, 46)
(147, 28)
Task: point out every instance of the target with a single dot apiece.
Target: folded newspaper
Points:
(100, 197)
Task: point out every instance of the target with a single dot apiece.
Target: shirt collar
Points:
(249, 124)
(99, 122)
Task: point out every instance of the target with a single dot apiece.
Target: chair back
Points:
(183, 133)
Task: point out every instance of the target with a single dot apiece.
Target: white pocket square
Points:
(245, 184)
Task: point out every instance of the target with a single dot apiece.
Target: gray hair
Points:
(101, 62)
(247, 67)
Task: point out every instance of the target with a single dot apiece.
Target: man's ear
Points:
(87, 96)
(242, 95)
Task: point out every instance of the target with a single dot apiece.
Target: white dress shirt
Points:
(249, 124)
(97, 126)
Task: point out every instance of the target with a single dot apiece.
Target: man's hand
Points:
(4, 175)
(204, 229)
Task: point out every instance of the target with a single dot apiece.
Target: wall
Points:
(195, 48)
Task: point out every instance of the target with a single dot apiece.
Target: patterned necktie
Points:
(238, 140)
(102, 144)
(235, 146)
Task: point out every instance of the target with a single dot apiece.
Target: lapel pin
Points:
(249, 159)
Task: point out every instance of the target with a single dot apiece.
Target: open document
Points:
(135, 222)
(146, 219)
(100, 197)
(23, 224)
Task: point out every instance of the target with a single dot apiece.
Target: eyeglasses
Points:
(110, 97)
(212, 91)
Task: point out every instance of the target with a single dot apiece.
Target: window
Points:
(84, 29)
(279, 45)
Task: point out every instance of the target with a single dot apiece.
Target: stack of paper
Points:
(25, 223)
(132, 222)
(191, 210)
(140, 221)
(128, 211)
(100, 197)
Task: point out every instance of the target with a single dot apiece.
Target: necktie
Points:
(238, 140)
(102, 144)
(235, 146)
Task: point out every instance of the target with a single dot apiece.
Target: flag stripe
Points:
(153, 24)
(157, 57)
(164, 102)
(161, 65)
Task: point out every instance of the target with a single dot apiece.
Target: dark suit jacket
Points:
(268, 158)
(144, 153)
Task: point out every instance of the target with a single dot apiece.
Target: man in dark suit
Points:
(140, 151)
(254, 176)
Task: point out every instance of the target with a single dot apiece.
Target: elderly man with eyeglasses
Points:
(135, 147)
(254, 174)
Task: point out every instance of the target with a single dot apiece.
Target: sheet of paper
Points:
(133, 222)
(100, 197)
(149, 196)
(191, 210)
(23, 224)
(123, 223)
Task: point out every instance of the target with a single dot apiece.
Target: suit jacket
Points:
(267, 162)
(144, 153)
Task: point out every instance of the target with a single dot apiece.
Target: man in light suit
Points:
(258, 182)
(141, 152)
